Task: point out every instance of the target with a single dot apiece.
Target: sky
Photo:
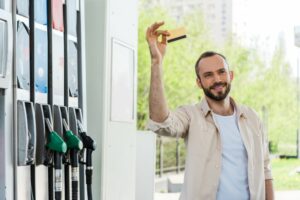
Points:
(268, 19)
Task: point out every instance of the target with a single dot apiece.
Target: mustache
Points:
(218, 84)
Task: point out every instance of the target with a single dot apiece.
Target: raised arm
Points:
(157, 101)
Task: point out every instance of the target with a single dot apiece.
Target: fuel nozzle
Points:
(55, 142)
(88, 142)
(73, 142)
(90, 145)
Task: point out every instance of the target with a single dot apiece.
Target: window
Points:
(40, 9)
(3, 47)
(22, 56)
(41, 61)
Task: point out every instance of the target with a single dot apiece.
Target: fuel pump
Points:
(58, 147)
(74, 145)
(89, 145)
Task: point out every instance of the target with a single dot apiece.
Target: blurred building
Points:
(224, 18)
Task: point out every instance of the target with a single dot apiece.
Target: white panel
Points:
(123, 20)
(23, 190)
(120, 162)
(117, 149)
(41, 178)
(122, 98)
(145, 165)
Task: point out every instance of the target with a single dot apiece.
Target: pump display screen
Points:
(22, 56)
(57, 15)
(73, 69)
(58, 65)
(72, 17)
(3, 48)
(23, 7)
(40, 9)
(41, 61)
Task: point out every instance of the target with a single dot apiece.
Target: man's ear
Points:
(231, 74)
(199, 82)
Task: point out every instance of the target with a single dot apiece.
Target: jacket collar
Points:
(206, 110)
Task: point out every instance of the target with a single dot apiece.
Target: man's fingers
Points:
(148, 32)
(156, 25)
(164, 39)
(161, 32)
(153, 32)
(164, 35)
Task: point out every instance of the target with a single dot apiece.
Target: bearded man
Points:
(227, 154)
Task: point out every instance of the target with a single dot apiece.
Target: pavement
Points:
(173, 183)
(279, 195)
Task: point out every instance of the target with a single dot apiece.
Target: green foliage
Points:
(254, 84)
(272, 88)
(285, 175)
(273, 147)
(169, 153)
(179, 76)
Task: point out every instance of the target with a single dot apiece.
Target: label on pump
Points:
(58, 180)
(75, 174)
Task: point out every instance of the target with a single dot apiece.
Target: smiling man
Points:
(227, 148)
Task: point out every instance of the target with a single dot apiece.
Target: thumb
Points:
(164, 39)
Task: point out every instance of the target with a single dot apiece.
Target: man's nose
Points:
(217, 78)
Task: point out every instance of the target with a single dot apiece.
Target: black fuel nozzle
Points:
(90, 145)
(87, 141)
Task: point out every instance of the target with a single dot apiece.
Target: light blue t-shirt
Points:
(233, 183)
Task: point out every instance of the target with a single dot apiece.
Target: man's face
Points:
(215, 78)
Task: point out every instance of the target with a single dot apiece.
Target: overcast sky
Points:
(270, 17)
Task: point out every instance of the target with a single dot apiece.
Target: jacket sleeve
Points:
(267, 161)
(176, 124)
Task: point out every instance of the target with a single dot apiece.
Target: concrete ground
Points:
(279, 195)
(173, 183)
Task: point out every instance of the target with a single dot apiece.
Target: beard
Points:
(221, 95)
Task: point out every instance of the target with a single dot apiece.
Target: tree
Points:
(254, 84)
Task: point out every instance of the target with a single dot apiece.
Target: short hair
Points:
(207, 54)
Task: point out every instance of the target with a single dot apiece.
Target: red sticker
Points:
(57, 15)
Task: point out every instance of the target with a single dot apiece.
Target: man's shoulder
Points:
(248, 111)
(188, 107)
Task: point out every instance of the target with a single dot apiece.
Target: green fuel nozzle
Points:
(55, 142)
(73, 142)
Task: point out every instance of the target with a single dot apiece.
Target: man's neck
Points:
(223, 107)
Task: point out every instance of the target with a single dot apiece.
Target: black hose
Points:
(75, 173)
(89, 192)
(50, 182)
(89, 173)
(67, 184)
(90, 145)
(58, 176)
(74, 190)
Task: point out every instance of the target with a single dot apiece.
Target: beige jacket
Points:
(195, 124)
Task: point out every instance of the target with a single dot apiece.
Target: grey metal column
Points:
(6, 99)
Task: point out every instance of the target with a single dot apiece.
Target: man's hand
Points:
(269, 190)
(157, 48)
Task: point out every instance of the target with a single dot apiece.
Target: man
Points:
(227, 151)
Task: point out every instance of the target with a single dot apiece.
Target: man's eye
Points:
(207, 75)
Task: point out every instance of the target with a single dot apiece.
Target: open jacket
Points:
(203, 164)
